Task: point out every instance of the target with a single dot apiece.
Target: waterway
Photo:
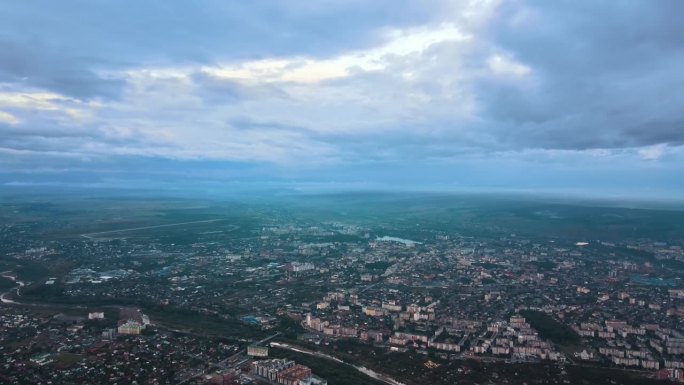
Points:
(16, 289)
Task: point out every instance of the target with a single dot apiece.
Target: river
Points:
(20, 284)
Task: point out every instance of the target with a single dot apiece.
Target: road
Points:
(369, 287)
(370, 373)
(89, 235)
(267, 339)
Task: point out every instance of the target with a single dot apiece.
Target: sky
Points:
(567, 95)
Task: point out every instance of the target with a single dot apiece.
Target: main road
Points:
(370, 373)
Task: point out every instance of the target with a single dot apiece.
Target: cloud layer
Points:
(350, 90)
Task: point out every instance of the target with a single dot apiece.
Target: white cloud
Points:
(294, 101)
(6, 117)
(502, 65)
(652, 152)
(294, 107)
(31, 100)
(65, 110)
(305, 70)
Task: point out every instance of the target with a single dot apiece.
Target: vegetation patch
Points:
(551, 329)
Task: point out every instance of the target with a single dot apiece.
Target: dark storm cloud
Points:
(48, 136)
(608, 74)
(35, 65)
(58, 45)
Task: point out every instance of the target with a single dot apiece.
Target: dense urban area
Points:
(373, 290)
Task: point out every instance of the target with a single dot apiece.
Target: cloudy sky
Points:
(438, 94)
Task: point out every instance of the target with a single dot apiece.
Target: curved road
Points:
(370, 373)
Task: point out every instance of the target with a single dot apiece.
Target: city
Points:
(256, 294)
